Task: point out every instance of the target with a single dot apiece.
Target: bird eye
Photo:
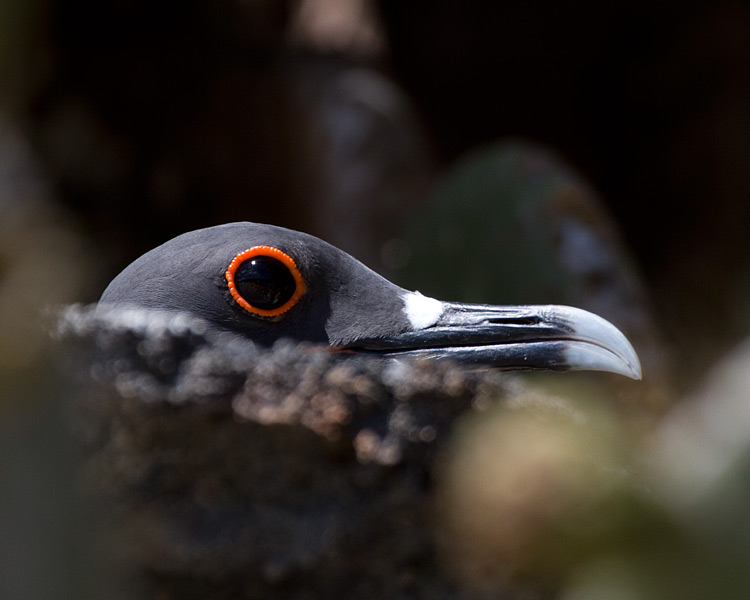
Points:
(265, 281)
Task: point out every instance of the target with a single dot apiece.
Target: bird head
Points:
(263, 283)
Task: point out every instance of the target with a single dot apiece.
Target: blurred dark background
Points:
(152, 119)
(123, 124)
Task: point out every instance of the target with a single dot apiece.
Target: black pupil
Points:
(264, 282)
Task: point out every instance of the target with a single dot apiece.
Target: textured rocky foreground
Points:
(228, 471)
(288, 472)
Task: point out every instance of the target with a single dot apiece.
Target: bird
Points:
(261, 467)
(261, 283)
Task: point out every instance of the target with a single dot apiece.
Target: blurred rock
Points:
(526, 495)
(364, 162)
(698, 475)
(351, 27)
(46, 548)
(43, 259)
(362, 156)
(561, 496)
(704, 445)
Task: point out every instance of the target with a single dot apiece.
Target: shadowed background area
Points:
(487, 152)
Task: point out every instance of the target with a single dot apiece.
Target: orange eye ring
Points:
(283, 258)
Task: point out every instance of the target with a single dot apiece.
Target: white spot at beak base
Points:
(421, 311)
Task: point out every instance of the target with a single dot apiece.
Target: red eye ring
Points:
(271, 252)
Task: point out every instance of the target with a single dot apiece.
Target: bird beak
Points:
(551, 337)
